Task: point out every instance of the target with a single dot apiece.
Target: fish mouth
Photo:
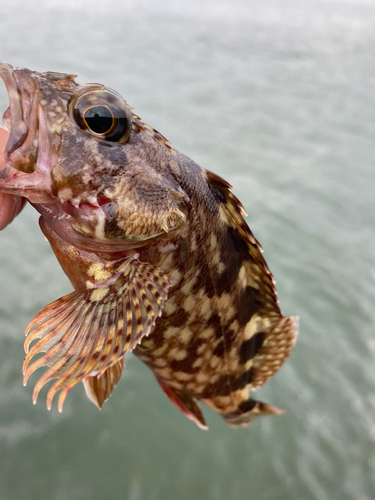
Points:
(31, 152)
(18, 130)
(20, 174)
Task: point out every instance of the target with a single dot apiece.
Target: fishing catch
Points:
(160, 258)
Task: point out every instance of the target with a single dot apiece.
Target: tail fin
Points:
(258, 409)
(269, 341)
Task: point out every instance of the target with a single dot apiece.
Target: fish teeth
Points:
(75, 202)
(93, 200)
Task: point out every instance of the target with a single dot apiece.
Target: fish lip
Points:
(23, 175)
(18, 130)
(60, 222)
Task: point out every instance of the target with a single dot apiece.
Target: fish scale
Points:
(161, 259)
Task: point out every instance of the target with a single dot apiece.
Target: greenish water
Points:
(277, 97)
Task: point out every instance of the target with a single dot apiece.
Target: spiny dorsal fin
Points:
(232, 205)
(86, 332)
(139, 125)
(268, 337)
(232, 213)
(99, 387)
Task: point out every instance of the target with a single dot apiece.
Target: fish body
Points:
(156, 248)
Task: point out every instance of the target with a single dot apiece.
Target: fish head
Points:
(81, 156)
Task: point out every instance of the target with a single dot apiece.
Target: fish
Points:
(157, 249)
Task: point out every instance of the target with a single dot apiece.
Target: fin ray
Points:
(233, 212)
(184, 402)
(259, 409)
(99, 387)
(86, 332)
(280, 334)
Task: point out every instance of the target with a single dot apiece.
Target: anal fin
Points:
(185, 403)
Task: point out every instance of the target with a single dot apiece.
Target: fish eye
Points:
(102, 114)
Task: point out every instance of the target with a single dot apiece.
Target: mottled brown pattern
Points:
(157, 250)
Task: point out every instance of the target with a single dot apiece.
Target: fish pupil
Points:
(99, 119)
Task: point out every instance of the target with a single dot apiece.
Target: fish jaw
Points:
(26, 172)
(92, 192)
(18, 129)
(86, 333)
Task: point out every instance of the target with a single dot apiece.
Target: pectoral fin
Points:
(85, 333)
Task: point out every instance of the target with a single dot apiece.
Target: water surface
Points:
(278, 98)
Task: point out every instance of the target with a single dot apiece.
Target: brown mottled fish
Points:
(156, 248)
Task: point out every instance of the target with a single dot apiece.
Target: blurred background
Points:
(278, 97)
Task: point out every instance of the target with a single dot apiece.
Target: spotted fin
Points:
(232, 207)
(269, 342)
(99, 387)
(267, 337)
(253, 410)
(86, 332)
(232, 214)
(185, 403)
